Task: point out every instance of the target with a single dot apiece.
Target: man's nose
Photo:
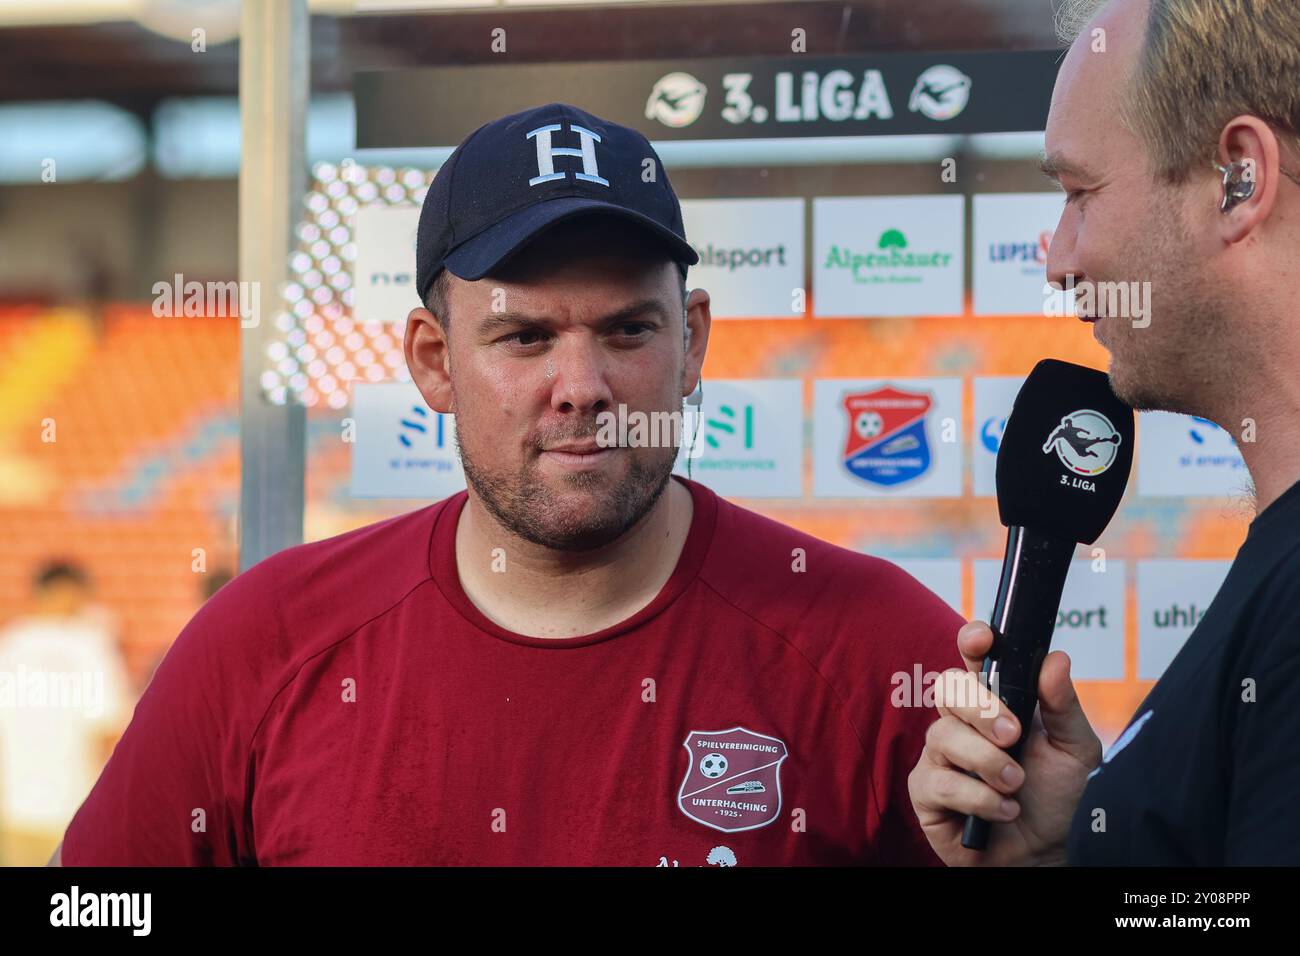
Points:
(580, 381)
(1062, 260)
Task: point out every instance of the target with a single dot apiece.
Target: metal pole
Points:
(273, 89)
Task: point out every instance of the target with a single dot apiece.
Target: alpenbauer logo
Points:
(733, 779)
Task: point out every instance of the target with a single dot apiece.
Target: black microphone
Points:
(1064, 461)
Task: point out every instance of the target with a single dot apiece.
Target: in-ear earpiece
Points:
(1238, 184)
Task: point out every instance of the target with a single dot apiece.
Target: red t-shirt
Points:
(344, 703)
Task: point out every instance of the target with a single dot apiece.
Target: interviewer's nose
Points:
(1062, 260)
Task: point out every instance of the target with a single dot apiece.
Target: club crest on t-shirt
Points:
(886, 441)
(733, 779)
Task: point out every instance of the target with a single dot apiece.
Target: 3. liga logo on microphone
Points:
(1085, 441)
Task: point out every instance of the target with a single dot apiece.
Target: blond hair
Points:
(1203, 62)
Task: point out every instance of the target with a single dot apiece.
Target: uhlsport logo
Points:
(677, 100)
(733, 779)
(1085, 441)
(941, 93)
(886, 442)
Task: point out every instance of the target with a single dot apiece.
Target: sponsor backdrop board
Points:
(1171, 599)
(994, 396)
(1011, 233)
(937, 292)
(751, 255)
(898, 438)
(775, 434)
(888, 256)
(383, 275)
(401, 449)
(1090, 624)
(747, 439)
(1180, 456)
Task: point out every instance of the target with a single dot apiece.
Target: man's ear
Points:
(698, 321)
(1250, 141)
(428, 357)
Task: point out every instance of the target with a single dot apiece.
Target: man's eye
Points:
(633, 328)
(525, 337)
(1073, 195)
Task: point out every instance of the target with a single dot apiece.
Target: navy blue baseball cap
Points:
(513, 178)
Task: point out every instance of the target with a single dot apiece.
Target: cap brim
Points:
(477, 257)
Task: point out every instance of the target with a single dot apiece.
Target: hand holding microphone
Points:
(1064, 461)
(1046, 780)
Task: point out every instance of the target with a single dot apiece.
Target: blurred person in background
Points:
(63, 703)
(215, 581)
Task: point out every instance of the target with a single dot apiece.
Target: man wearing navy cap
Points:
(578, 660)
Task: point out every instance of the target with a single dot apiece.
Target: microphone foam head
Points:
(1066, 453)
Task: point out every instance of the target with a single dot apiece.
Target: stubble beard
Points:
(525, 504)
(1177, 362)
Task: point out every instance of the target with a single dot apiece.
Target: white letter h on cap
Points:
(546, 153)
